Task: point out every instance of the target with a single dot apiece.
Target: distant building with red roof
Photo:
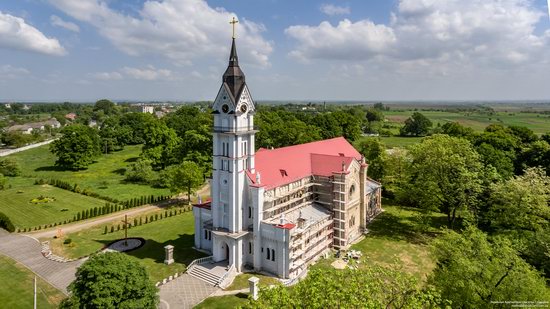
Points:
(278, 210)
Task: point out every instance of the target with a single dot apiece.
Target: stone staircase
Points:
(203, 273)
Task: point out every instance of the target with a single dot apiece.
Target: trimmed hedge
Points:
(6, 223)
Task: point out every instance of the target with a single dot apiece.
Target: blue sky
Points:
(58, 50)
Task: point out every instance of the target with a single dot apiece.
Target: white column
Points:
(257, 210)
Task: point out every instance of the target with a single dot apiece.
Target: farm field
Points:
(177, 231)
(16, 290)
(16, 203)
(105, 176)
(539, 123)
(399, 141)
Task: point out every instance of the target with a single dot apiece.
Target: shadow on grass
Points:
(52, 168)
(119, 171)
(241, 295)
(152, 249)
(404, 224)
(130, 160)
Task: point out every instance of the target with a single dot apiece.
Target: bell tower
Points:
(233, 149)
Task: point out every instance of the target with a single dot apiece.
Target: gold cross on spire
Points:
(234, 22)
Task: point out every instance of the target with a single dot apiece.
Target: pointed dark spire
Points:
(233, 58)
(233, 77)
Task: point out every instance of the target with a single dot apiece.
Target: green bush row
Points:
(148, 219)
(74, 188)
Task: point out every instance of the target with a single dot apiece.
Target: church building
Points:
(277, 210)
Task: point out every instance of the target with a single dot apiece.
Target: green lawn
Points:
(396, 238)
(224, 302)
(105, 176)
(241, 281)
(16, 289)
(16, 203)
(177, 231)
(478, 121)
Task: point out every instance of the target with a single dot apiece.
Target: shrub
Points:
(6, 223)
(67, 241)
(9, 167)
(112, 228)
(105, 230)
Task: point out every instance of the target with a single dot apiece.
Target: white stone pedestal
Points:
(253, 285)
(169, 254)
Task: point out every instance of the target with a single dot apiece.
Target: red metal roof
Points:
(281, 166)
(206, 204)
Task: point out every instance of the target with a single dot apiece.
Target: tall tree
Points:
(77, 148)
(375, 154)
(187, 176)
(521, 203)
(105, 106)
(161, 144)
(473, 272)
(446, 176)
(111, 280)
(416, 125)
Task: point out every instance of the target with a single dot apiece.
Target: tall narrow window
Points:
(273, 255)
(205, 234)
(249, 212)
(268, 253)
(249, 248)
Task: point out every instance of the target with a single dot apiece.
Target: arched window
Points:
(351, 190)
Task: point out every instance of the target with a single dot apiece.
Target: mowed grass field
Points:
(16, 203)
(539, 123)
(105, 176)
(177, 231)
(17, 287)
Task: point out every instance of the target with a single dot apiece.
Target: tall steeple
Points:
(234, 77)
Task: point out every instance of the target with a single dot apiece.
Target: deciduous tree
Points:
(77, 148)
(416, 125)
(446, 176)
(473, 272)
(111, 280)
(184, 177)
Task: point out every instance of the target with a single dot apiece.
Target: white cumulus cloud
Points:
(15, 33)
(181, 30)
(331, 9)
(346, 41)
(58, 22)
(462, 32)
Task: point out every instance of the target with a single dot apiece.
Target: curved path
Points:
(26, 250)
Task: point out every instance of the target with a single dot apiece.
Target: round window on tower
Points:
(244, 108)
(225, 108)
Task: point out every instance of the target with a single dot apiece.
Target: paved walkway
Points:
(184, 292)
(26, 250)
(7, 152)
